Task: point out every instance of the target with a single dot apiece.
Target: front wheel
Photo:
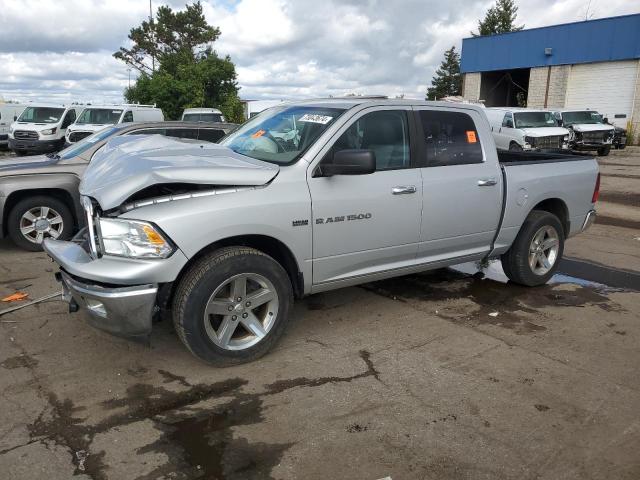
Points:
(515, 147)
(36, 218)
(232, 306)
(536, 252)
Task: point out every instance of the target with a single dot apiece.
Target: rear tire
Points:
(604, 151)
(213, 284)
(536, 252)
(33, 219)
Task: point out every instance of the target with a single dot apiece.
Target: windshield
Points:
(534, 119)
(99, 116)
(86, 143)
(282, 134)
(571, 118)
(41, 115)
(202, 117)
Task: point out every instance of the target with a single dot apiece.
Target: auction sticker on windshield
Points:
(309, 117)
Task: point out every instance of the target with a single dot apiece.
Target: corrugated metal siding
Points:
(606, 87)
(606, 39)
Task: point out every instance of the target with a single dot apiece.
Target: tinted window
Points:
(210, 134)
(202, 117)
(451, 138)
(507, 121)
(128, 117)
(386, 133)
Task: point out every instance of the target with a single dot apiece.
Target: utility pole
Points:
(129, 71)
(153, 58)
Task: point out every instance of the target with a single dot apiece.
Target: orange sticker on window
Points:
(259, 133)
(471, 136)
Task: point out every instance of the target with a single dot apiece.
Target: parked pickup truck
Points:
(224, 237)
(39, 195)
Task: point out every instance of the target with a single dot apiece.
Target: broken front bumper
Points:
(122, 311)
(118, 294)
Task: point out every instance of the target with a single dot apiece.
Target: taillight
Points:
(596, 191)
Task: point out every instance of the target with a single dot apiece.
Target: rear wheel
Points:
(534, 256)
(34, 219)
(604, 151)
(232, 306)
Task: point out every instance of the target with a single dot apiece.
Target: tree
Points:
(500, 18)
(447, 81)
(188, 72)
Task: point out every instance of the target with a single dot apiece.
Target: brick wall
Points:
(471, 86)
(558, 79)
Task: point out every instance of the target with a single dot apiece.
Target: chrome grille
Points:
(554, 141)
(77, 136)
(25, 135)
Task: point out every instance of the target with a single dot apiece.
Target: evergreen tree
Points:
(178, 66)
(500, 18)
(447, 81)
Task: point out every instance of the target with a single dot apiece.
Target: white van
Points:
(41, 128)
(526, 129)
(202, 115)
(96, 117)
(9, 113)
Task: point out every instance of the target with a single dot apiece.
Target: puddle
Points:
(467, 294)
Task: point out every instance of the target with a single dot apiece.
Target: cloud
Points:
(61, 51)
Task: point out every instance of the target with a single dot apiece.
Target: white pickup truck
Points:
(223, 237)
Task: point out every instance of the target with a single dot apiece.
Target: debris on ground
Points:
(493, 314)
(32, 302)
(16, 297)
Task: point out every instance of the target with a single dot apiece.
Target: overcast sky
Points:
(60, 50)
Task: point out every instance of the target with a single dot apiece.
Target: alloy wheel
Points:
(38, 223)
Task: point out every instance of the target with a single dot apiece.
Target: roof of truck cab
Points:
(351, 102)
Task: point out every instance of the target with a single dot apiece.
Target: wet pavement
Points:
(450, 374)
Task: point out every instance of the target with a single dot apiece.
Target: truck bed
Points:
(528, 158)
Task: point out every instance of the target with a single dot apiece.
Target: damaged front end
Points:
(118, 269)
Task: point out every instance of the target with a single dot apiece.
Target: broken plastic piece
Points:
(16, 297)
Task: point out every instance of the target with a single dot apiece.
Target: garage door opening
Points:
(505, 88)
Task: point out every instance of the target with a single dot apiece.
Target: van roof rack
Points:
(138, 105)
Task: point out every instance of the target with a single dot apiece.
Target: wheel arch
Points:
(557, 207)
(271, 246)
(16, 196)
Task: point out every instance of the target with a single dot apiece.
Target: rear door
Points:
(363, 224)
(462, 187)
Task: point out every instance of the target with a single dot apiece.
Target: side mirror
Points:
(349, 162)
(605, 120)
(559, 122)
(15, 117)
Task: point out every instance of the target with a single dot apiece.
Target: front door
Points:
(363, 224)
(462, 186)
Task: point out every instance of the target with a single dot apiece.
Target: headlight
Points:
(49, 131)
(11, 129)
(131, 238)
(565, 138)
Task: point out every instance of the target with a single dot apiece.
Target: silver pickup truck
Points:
(304, 198)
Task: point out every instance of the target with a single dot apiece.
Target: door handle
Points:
(487, 182)
(403, 189)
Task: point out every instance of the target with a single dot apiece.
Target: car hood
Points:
(591, 127)
(17, 166)
(545, 131)
(128, 164)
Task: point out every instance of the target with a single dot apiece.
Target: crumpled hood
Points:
(591, 127)
(545, 131)
(128, 164)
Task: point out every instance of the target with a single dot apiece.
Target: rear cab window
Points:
(449, 138)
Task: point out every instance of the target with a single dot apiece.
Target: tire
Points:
(515, 147)
(209, 284)
(516, 261)
(604, 151)
(58, 219)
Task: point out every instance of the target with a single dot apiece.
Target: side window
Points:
(386, 133)
(508, 121)
(69, 118)
(182, 133)
(128, 117)
(148, 131)
(210, 134)
(450, 138)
